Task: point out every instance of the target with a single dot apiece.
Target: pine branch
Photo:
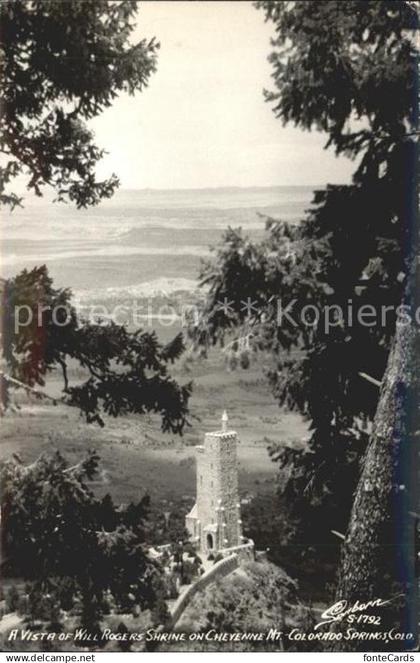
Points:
(31, 390)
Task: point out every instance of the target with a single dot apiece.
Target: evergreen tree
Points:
(53, 536)
(127, 372)
(61, 64)
(12, 599)
(348, 69)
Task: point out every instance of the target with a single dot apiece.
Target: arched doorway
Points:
(210, 542)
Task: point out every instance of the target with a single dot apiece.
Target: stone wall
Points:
(245, 551)
(218, 509)
(229, 496)
(219, 570)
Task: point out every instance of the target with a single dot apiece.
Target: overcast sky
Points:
(203, 121)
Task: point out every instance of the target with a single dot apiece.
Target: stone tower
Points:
(215, 522)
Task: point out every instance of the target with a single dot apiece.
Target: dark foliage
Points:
(347, 68)
(261, 598)
(167, 526)
(128, 371)
(71, 547)
(62, 63)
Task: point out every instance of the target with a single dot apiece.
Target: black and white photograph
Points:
(210, 328)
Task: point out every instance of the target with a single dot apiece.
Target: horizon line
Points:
(227, 188)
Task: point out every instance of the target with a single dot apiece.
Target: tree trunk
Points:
(379, 556)
(379, 553)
